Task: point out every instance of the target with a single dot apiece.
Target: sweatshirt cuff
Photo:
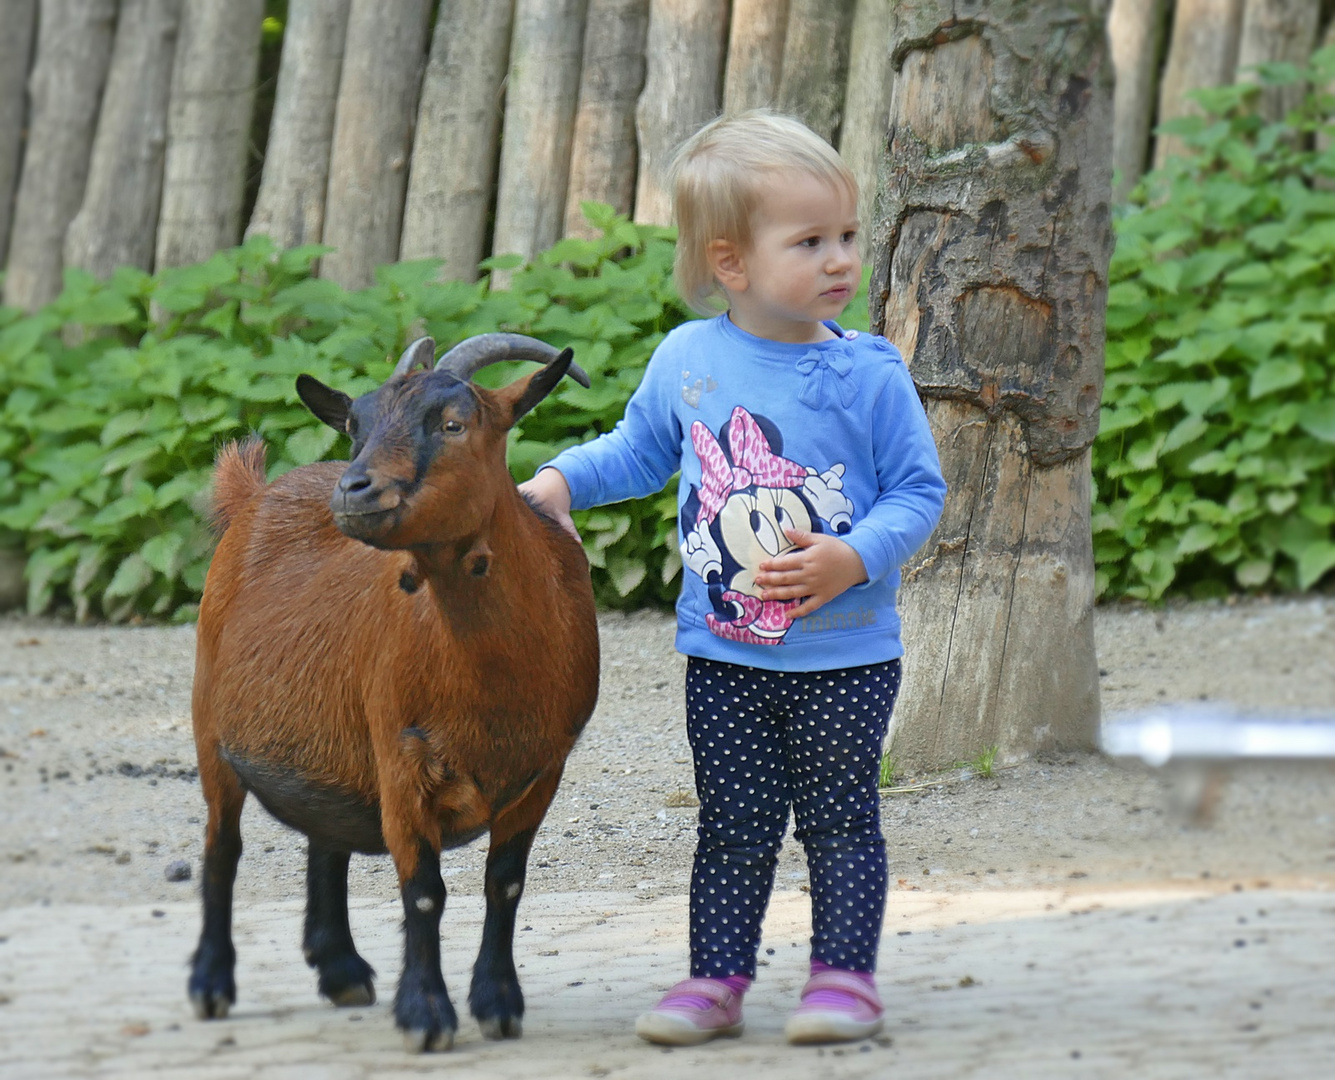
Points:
(875, 559)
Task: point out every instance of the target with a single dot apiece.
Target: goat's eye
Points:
(452, 427)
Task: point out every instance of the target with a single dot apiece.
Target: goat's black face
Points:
(398, 432)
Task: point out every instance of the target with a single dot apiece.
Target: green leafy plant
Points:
(1215, 464)
(115, 397)
(889, 771)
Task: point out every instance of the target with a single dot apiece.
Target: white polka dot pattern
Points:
(765, 741)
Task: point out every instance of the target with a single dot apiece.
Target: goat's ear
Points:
(325, 402)
(525, 393)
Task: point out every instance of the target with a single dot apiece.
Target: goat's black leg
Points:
(345, 978)
(212, 987)
(422, 1007)
(495, 998)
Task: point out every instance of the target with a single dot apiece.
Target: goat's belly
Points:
(332, 816)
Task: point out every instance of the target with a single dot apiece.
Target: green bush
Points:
(114, 399)
(1215, 463)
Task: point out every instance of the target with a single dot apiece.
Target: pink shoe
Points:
(679, 1021)
(859, 1018)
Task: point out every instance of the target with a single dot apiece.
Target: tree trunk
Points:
(19, 19)
(1202, 52)
(540, 105)
(373, 136)
(993, 240)
(453, 174)
(682, 90)
(116, 226)
(815, 64)
(1277, 31)
(290, 204)
(867, 105)
(1135, 34)
(755, 54)
(73, 53)
(603, 155)
(208, 129)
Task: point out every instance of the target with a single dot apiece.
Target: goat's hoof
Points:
(422, 1041)
(502, 1027)
(210, 1006)
(353, 996)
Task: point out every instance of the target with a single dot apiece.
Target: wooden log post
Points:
(815, 64)
(457, 143)
(540, 105)
(373, 135)
(603, 154)
(73, 54)
(290, 204)
(19, 20)
(755, 54)
(208, 129)
(1277, 31)
(1135, 35)
(1202, 52)
(993, 241)
(683, 89)
(117, 224)
(862, 136)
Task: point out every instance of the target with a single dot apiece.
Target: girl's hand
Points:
(549, 492)
(816, 570)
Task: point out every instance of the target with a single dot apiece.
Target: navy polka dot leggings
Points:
(764, 741)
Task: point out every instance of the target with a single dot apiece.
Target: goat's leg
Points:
(345, 978)
(495, 998)
(422, 1007)
(212, 987)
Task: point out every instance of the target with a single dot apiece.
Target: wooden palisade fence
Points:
(129, 128)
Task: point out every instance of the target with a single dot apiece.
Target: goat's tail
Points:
(238, 473)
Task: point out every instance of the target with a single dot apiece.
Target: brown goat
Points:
(393, 655)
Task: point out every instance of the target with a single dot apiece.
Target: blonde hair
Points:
(716, 176)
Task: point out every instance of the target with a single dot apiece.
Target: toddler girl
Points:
(808, 475)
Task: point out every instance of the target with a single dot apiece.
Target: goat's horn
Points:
(416, 355)
(473, 354)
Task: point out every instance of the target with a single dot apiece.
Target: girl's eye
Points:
(850, 236)
(811, 241)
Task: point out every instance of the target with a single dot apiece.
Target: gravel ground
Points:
(99, 795)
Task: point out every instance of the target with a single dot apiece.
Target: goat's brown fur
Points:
(444, 711)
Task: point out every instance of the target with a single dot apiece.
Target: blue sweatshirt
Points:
(828, 437)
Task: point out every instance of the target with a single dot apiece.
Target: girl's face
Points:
(802, 265)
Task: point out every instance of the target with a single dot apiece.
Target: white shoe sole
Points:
(825, 1027)
(668, 1030)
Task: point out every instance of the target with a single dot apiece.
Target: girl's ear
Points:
(727, 264)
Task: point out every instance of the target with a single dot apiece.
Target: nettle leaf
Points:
(310, 444)
(132, 576)
(1273, 375)
(163, 553)
(1318, 419)
(1315, 560)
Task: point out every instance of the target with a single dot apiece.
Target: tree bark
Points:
(73, 53)
(453, 175)
(19, 19)
(682, 90)
(1277, 31)
(755, 54)
(208, 129)
(1135, 34)
(862, 139)
(815, 64)
(290, 204)
(1202, 52)
(117, 224)
(993, 242)
(373, 135)
(540, 105)
(603, 154)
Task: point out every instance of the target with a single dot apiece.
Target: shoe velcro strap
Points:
(711, 989)
(843, 981)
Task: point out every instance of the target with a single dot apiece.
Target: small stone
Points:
(178, 870)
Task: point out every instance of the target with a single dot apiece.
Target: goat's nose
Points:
(353, 483)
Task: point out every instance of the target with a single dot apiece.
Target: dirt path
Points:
(1090, 918)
